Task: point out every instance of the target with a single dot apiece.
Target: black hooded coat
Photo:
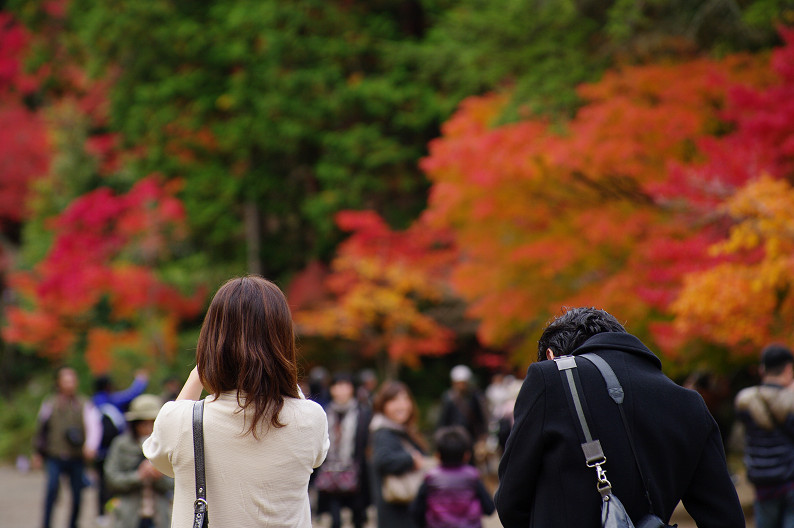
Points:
(544, 481)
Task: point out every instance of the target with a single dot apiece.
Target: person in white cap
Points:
(464, 405)
(143, 492)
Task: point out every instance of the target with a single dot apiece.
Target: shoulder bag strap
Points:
(593, 454)
(200, 505)
(615, 391)
(778, 425)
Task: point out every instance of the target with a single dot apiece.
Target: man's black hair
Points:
(342, 377)
(570, 330)
(102, 383)
(775, 357)
(453, 443)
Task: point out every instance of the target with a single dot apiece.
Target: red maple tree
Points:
(98, 281)
(376, 289)
(24, 148)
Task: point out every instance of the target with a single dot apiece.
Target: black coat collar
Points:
(618, 341)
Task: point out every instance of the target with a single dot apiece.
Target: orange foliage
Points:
(746, 303)
(548, 215)
(617, 207)
(101, 341)
(376, 288)
(647, 203)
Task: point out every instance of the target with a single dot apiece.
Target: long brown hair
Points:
(247, 345)
(387, 392)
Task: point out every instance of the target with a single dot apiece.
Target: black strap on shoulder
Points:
(570, 377)
(591, 447)
(200, 506)
(615, 391)
(777, 423)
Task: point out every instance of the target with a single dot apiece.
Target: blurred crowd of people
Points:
(374, 433)
(375, 436)
(373, 430)
(269, 442)
(97, 441)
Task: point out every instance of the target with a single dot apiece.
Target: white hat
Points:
(460, 373)
(144, 407)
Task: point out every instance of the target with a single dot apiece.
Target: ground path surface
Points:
(22, 499)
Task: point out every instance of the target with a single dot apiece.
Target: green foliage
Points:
(540, 49)
(651, 29)
(763, 14)
(18, 417)
(299, 108)
(73, 172)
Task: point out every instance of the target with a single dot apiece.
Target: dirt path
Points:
(22, 499)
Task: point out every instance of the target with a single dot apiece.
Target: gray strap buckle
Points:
(595, 458)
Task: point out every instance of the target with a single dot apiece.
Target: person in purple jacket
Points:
(452, 495)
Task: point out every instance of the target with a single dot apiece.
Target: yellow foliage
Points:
(746, 300)
(376, 300)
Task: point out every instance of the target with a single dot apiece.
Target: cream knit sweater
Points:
(250, 482)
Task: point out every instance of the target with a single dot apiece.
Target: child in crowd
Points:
(452, 495)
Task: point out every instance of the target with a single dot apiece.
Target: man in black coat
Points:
(544, 481)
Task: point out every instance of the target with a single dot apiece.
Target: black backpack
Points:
(113, 424)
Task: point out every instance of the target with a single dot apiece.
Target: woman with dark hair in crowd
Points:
(396, 448)
(262, 438)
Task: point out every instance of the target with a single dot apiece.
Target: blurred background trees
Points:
(430, 181)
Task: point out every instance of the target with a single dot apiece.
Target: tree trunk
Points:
(253, 237)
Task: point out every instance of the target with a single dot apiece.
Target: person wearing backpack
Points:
(767, 412)
(543, 478)
(112, 405)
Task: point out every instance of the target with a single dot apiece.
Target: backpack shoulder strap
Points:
(591, 447)
(615, 390)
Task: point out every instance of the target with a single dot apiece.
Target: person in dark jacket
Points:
(544, 481)
(342, 480)
(396, 448)
(452, 495)
(464, 405)
(767, 411)
(143, 493)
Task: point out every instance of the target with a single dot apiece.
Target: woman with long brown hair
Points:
(397, 448)
(262, 438)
